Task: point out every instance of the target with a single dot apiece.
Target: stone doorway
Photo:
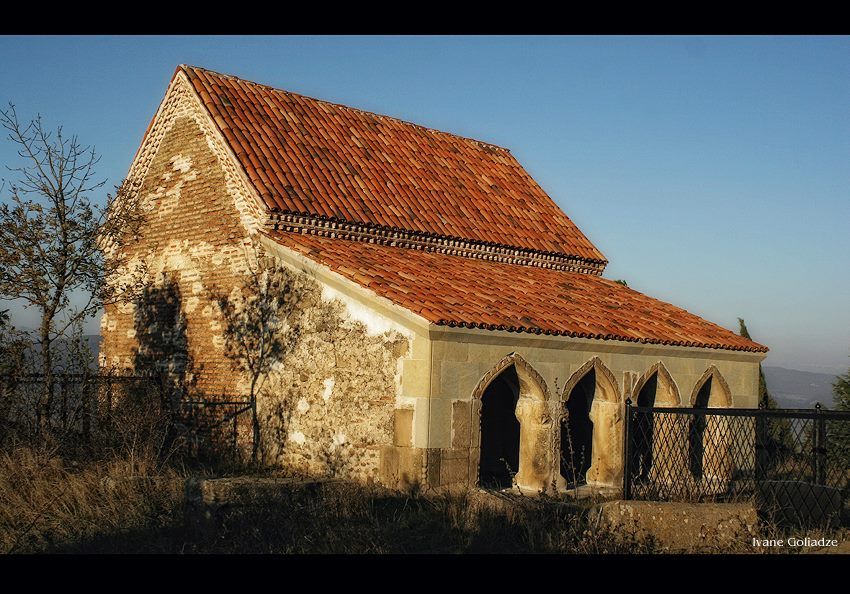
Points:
(500, 431)
(577, 432)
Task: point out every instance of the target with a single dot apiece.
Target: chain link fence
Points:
(793, 464)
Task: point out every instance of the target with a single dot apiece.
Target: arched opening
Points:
(696, 432)
(644, 429)
(515, 430)
(591, 428)
(577, 431)
(500, 431)
(709, 458)
(660, 443)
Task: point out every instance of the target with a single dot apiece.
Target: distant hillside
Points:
(799, 389)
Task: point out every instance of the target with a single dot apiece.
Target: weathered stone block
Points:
(797, 503)
(388, 470)
(677, 527)
(452, 350)
(433, 460)
(403, 427)
(454, 470)
(461, 434)
(457, 380)
(415, 377)
(440, 431)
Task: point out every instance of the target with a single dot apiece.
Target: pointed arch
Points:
(590, 426)
(668, 390)
(709, 456)
(721, 395)
(532, 384)
(531, 447)
(605, 381)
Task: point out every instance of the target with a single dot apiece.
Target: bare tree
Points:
(261, 326)
(54, 242)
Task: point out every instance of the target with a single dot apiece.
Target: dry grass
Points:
(50, 504)
(132, 505)
(354, 519)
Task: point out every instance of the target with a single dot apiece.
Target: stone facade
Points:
(371, 391)
(464, 361)
(332, 405)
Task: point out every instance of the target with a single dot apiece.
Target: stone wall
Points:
(463, 363)
(334, 406)
(330, 406)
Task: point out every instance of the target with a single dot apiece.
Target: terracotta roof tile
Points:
(309, 156)
(476, 293)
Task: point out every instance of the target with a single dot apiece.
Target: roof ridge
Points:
(451, 245)
(349, 107)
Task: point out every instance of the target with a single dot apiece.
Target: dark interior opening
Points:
(696, 432)
(499, 432)
(642, 451)
(577, 432)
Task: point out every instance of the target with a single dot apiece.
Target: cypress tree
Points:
(764, 396)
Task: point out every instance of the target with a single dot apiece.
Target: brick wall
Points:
(329, 407)
(192, 244)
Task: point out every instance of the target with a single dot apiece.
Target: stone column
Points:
(670, 472)
(607, 464)
(716, 455)
(535, 445)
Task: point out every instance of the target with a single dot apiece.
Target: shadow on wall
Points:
(328, 406)
(163, 345)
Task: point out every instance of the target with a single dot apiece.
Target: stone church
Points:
(457, 329)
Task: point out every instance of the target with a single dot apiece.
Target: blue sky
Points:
(711, 171)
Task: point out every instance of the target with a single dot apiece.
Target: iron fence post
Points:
(627, 452)
(820, 446)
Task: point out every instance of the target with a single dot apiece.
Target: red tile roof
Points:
(479, 293)
(309, 156)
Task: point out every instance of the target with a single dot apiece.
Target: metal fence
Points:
(84, 409)
(74, 403)
(794, 464)
(215, 427)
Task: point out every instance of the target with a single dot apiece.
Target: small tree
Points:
(261, 326)
(778, 434)
(841, 391)
(764, 396)
(12, 347)
(840, 431)
(55, 243)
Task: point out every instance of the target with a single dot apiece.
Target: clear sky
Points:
(712, 172)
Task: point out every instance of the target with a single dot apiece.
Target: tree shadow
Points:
(163, 344)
